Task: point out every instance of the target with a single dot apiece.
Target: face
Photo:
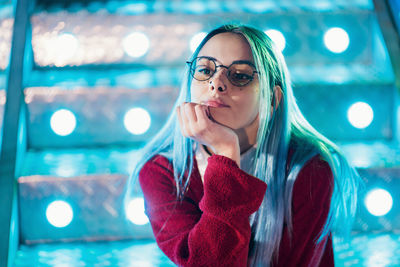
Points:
(233, 106)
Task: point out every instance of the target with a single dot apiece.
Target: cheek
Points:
(196, 91)
(245, 111)
(253, 108)
(249, 104)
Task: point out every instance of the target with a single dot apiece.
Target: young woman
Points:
(237, 176)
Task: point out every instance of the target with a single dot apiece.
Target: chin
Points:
(230, 120)
(221, 117)
(227, 121)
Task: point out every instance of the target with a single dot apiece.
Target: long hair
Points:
(285, 128)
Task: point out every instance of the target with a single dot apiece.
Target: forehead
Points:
(227, 47)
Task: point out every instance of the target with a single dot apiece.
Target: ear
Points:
(277, 97)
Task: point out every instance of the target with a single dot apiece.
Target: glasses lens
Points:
(241, 74)
(203, 68)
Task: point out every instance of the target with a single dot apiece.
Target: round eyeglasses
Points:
(239, 73)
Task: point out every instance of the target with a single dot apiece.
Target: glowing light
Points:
(137, 121)
(360, 115)
(66, 45)
(66, 170)
(258, 6)
(379, 202)
(196, 40)
(137, 8)
(336, 40)
(63, 122)
(59, 213)
(195, 6)
(277, 37)
(136, 212)
(136, 44)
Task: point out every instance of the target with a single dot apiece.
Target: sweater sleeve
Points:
(214, 233)
(310, 207)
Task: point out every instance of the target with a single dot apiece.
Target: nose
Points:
(218, 81)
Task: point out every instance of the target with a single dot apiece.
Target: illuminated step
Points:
(89, 208)
(79, 161)
(361, 250)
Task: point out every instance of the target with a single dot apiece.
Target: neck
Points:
(248, 135)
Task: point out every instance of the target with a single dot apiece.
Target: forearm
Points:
(214, 232)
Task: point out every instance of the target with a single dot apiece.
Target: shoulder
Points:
(314, 182)
(317, 167)
(158, 162)
(156, 169)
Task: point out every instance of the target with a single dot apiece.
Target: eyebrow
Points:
(234, 62)
(244, 61)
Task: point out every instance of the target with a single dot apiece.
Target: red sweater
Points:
(210, 227)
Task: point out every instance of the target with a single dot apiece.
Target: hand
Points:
(196, 123)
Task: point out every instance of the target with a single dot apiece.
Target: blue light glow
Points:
(258, 6)
(379, 202)
(135, 8)
(277, 37)
(137, 121)
(360, 115)
(63, 122)
(135, 212)
(336, 40)
(136, 44)
(196, 7)
(196, 40)
(59, 213)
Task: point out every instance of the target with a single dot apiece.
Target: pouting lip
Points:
(215, 104)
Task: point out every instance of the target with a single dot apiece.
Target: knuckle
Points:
(187, 107)
(201, 130)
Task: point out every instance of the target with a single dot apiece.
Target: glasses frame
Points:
(190, 63)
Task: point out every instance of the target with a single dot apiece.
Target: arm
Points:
(214, 233)
(310, 207)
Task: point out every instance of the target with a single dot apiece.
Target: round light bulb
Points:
(59, 213)
(360, 115)
(336, 40)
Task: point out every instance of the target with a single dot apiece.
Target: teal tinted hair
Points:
(285, 128)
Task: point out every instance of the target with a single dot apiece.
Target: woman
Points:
(237, 176)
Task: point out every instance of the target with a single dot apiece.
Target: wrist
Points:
(231, 150)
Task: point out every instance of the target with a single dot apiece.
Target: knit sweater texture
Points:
(210, 226)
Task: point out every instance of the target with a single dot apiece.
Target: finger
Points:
(202, 116)
(209, 115)
(181, 124)
(185, 121)
(190, 112)
(190, 118)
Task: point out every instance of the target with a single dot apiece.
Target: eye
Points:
(203, 70)
(237, 76)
